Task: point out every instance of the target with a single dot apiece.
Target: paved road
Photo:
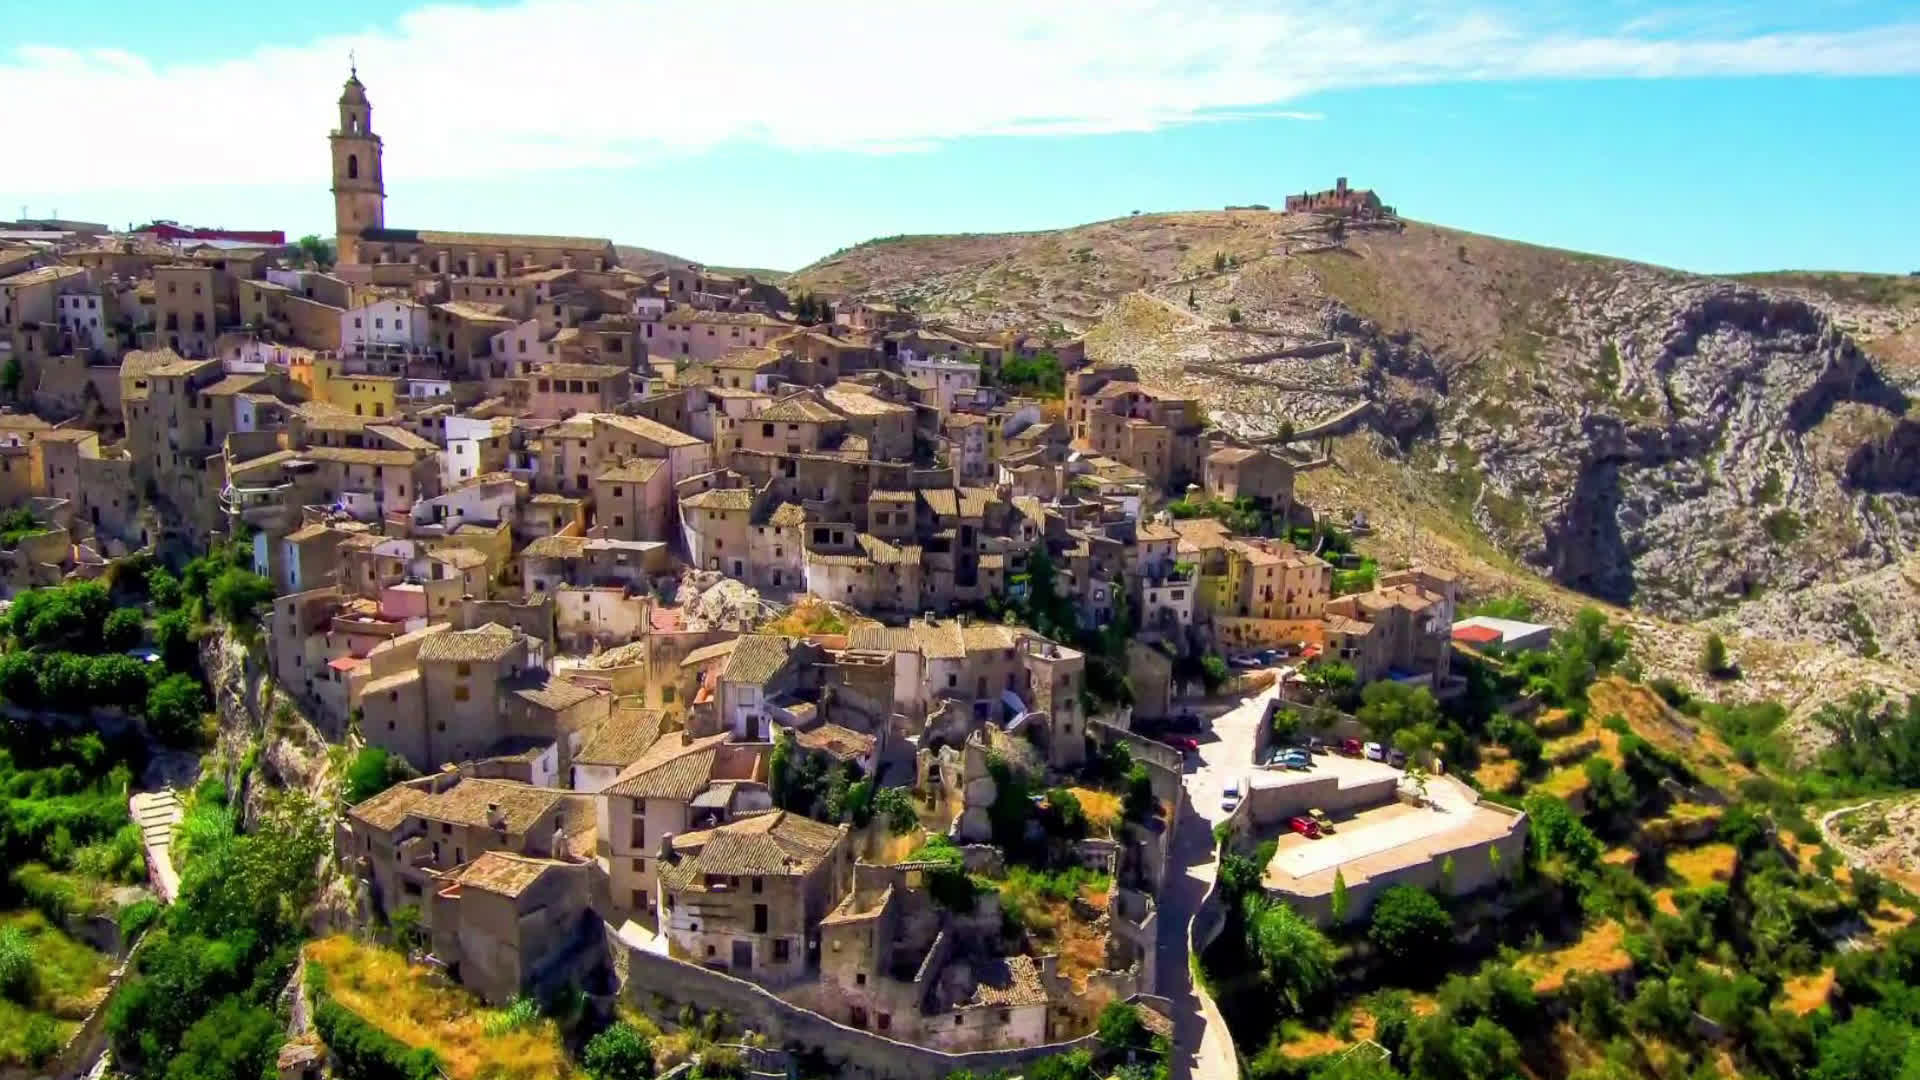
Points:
(1202, 1048)
(1853, 856)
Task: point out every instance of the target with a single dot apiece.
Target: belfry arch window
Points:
(353, 166)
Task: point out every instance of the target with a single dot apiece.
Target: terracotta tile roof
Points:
(891, 497)
(349, 455)
(798, 409)
(503, 873)
(647, 429)
(633, 470)
(320, 416)
(874, 637)
(720, 499)
(234, 384)
(756, 658)
(1232, 455)
(762, 845)
(401, 437)
(389, 683)
(388, 809)
(725, 318)
(13, 421)
(788, 515)
(549, 692)
(310, 532)
(622, 737)
(1006, 980)
(886, 554)
(705, 653)
(476, 312)
(940, 641)
(669, 769)
(862, 402)
(1476, 635)
(460, 558)
(485, 643)
(843, 743)
(466, 803)
(581, 371)
(556, 547)
(751, 358)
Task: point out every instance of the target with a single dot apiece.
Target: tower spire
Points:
(353, 66)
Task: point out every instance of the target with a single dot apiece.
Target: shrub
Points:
(175, 708)
(1713, 658)
(1139, 803)
(237, 595)
(361, 1051)
(124, 628)
(136, 917)
(16, 965)
(1409, 925)
(521, 1012)
(619, 1052)
(373, 771)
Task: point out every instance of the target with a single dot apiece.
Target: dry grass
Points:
(1101, 807)
(1663, 902)
(1598, 951)
(1803, 994)
(1705, 865)
(409, 1004)
(1497, 774)
(808, 615)
(1621, 856)
(1312, 1044)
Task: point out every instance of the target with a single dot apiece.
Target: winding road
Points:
(1202, 1047)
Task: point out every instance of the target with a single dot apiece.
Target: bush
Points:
(1409, 925)
(1713, 658)
(124, 628)
(16, 966)
(176, 707)
(163, 589)
(619, 1053)
(896, 806)
(136, 917)
(237, 595)
(373, 771)
(360, 1051)
(1139, 803)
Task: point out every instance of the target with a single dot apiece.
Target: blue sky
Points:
(1716, 137)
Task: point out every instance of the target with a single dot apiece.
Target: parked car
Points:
(1376, 752)
(1230, 797)
(1184, 743)
(1267, 656)
(1321, 819)
(1246, 662)
(1295, 759)
(1305, 827)
(1350, 747)
(1397, 758)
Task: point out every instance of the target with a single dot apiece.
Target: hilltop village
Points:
(780, 655)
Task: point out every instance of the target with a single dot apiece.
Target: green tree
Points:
(1330, 678)
(1214, 672)
(896, 806)
(238, 595)
(236, 1041)
(17, 970)
(1869, 1046)
(175, 708)
(1713, 657)
(124, 628)
(115, 679)
(1557, 831)
(316, 250)
(619, 1052)
(1341, 902)
(12, 375)
(1295, 956)
(163, 589)
(1139, 804)
(371, 772)
(1408, 924)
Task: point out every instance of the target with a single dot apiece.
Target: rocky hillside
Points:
(1686, 447)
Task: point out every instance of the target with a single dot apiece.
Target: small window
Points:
(460, 693)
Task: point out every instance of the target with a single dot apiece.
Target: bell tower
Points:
(359, 193)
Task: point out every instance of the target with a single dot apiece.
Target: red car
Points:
(1306, 827)
(1182, 743)
(1350, 747)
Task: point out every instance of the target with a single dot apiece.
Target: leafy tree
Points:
(238, 595)
(1120, 1027)
(173, 636)
(619, 1052)
(175, 707)
(163, 589)
(1387, 707)
(115, 679)
(1869, 1046)
(373, 771)
(1330, 678)
(1408, 923)
(12, 375)
(1713, 657)
(1214, 672)
(1341, 902)
(1556, 831)
(1139, 804)
(124, 628)
(17, 971)
(1295, 956)
(316, 250)
(1064, 816)
(896, 806)
(236, 1041)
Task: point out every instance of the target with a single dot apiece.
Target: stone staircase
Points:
(157, 813)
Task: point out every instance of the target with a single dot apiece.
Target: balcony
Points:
(260, 507)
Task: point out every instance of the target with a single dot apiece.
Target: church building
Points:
(363, 238)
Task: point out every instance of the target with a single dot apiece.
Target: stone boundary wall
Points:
(855, 1054)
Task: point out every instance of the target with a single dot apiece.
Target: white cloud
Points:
(461, 92)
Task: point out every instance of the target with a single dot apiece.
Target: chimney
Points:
(665, 850)
(496, 817)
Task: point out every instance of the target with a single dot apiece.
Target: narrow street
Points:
(1202, 1047)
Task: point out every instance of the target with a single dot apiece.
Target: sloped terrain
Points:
(1682, 446)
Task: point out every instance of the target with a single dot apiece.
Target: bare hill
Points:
(1678, 445)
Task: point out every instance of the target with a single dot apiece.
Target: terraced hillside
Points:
(1681, 446)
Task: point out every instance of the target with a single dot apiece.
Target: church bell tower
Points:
(359, 194)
